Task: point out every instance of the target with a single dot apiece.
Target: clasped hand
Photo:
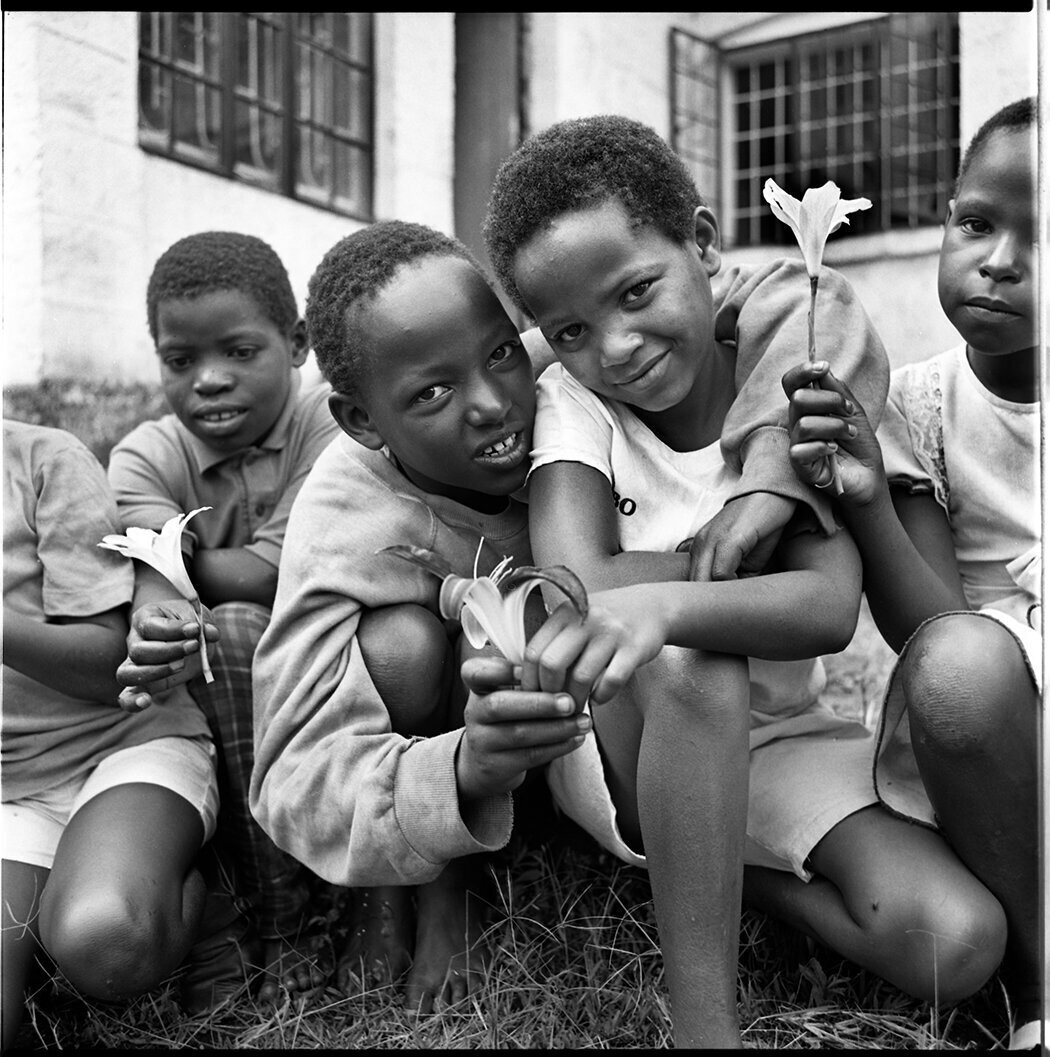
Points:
(163, 651)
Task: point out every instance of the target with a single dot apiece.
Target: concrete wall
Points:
(86, 212)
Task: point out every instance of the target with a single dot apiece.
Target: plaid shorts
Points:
(271, 881)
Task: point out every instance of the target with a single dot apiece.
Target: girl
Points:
(944, 507)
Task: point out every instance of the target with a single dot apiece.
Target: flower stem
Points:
(813, 280)
(205, 666)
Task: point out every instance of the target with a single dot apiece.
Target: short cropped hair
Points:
(1014, 117)
(350, 275)
(579, 164)
(222, 260)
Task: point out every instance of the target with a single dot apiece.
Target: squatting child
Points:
(365, 767)
(720, 753)
(241, 437)
(944, 503)
(104, 811)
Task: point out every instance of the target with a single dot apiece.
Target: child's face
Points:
(985, 279)
(225, 367)
(627, 310)
(449, 387)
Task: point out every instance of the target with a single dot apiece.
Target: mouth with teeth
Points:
(219, 416)
(505, 452)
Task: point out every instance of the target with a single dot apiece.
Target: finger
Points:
(803, 375)
(619, 670)
(823, 428)
(155, 653)
(563, 622)
(726, 559)
(505, 707)
(134, 699)
(483, 674)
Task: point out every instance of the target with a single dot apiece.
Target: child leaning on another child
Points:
(722, 753)
(944, 502)
(241, 438)
(104, 812)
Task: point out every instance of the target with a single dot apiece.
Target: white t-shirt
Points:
(944, 433)
(664, 496)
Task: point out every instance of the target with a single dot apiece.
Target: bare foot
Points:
(379, 946)
(450, 958)
(291, 966)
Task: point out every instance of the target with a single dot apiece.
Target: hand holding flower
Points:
(163, 552)
(821, 212)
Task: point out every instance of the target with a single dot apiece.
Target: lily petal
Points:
(821, 212)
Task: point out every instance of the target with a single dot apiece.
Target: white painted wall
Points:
(87, 212)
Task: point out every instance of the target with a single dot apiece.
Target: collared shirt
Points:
(161, 469)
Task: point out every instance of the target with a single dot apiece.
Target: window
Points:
(874, 107)
(279, 100)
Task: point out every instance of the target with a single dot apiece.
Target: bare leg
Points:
(973, 713)
(412, 664)
(676, 753)
(123, 900)
(450, 957)
(892, 897)
(21, 885)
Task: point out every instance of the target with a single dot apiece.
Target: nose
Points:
(1005, 260)
(619, 342)
(212, 378)
(488, 402)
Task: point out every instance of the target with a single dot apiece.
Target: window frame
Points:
(223, 78)
(749, 223)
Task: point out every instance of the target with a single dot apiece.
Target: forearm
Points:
(233, 574)
(602, 572)
(912, 592)
(758, 616)
(79, 659)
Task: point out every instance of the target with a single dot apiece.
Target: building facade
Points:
(124, 131)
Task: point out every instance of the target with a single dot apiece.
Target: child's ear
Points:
(707, 239)
(354, 420)
(299, 341)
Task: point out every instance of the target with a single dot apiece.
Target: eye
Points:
(569, 333)
(975, 225)
(176, 363)
(639, 290)
(505, 352)
(431, 394)
(242, 352)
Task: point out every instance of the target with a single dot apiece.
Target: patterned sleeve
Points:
(911, 432)
(571, 424)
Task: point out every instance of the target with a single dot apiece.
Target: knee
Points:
(707, 691)
(949, 945)
(407, 653)
(108, 946)
(960, 678)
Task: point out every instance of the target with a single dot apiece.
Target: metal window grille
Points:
(281, 100)
(874, 107)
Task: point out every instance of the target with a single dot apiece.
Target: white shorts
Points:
(800, 787)
(33, 826)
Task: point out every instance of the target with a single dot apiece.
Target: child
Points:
(104, 812)
(598, 233)
(242, 437)
(945, 508)
(363, 768)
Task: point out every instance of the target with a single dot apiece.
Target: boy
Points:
(104, 813)
(598, 233)
(241, 438)
(363, 767)
(945, 508)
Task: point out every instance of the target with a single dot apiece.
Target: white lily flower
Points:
(492, 608)
(163, 551)
(821, 212)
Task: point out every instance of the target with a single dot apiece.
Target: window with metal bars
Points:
(281, 100)
(873, 106)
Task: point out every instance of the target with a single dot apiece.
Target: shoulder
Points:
(154, 438)
(40, 444)
(926, 378)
